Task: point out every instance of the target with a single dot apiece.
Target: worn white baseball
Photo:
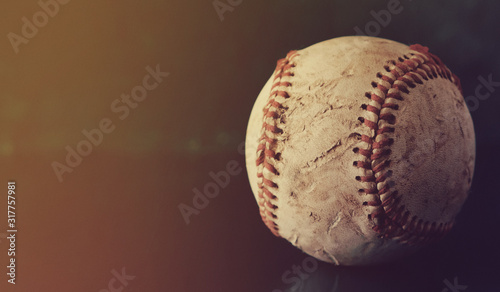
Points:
(360, 150)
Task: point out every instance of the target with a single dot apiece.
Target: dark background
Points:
(120, 207)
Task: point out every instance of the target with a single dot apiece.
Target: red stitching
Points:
(373, 109)
(370, 191)
(365, 152)
(391, 219)
(370, 124)
(377, 99)
(266, 155)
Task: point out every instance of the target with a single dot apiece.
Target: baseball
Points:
(360, 150)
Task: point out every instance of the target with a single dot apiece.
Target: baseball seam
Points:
(391, 218)
(266, 149)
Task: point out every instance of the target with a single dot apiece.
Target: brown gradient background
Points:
(119, 207)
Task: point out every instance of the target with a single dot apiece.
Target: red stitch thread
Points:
(391, 219)
(266, 154)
